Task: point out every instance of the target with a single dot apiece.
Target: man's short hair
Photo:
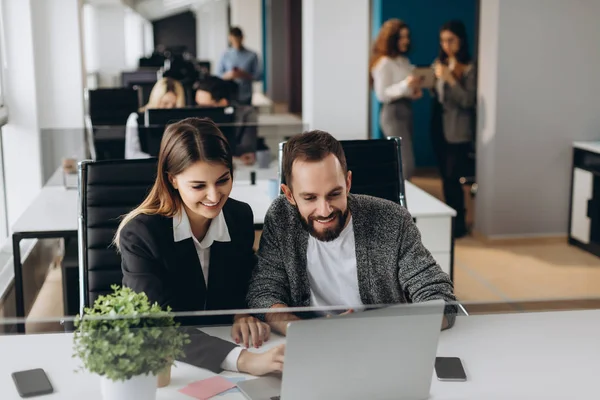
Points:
(311, 146)
(217, 87)
(236, 32)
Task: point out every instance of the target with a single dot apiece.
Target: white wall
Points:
(148, 38)
(211, 31)
(335, 49)
(21, 136)
(89, 38)
(58, 60)
(487, 85)
(59, 80)
(110, 44)
(247, 15)
(134, 39)
(546, 97)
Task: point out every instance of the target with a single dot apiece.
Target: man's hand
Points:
(262, 364)
(246, 328)
(279, 321)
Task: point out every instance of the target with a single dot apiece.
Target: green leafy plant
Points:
(123, 335)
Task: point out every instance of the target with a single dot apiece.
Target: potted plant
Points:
(128, 342)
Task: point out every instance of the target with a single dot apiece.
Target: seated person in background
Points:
(189, 246)
(166, 93)
(215, 92)
(322, 246)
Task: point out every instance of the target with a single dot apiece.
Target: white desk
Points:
(434, 220)
(257, 196)
(53, 214)
(241, 172)
(508, 356)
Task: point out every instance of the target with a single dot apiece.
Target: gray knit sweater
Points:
(393, 266)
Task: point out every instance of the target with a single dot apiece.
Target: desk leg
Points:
(18, 269)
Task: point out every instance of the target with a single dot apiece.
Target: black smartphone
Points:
(33, 382)
(450, 369)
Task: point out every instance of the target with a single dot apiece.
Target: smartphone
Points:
(33, 382)
(450, 369)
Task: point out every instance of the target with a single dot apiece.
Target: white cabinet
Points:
(583, 184)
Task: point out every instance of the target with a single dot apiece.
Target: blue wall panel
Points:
(425, 17)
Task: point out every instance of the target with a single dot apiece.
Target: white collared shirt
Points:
(217, 232)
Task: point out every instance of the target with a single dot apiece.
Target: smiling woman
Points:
(189, 246)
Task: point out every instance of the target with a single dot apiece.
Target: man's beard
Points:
(328, 234)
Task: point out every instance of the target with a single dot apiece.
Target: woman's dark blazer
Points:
(170, 273)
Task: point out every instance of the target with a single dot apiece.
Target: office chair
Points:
(107, 191)
(376, 167)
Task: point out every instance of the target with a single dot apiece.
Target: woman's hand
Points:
(443, 72)
(413, 82)
(246, 328)
(261, 364)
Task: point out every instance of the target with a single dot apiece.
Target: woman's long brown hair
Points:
(183, 144)
(386, 43)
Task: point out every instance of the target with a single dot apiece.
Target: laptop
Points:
(387, 353)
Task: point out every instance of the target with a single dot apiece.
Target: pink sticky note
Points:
(207, 388)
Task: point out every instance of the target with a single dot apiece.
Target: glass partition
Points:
(308, 352)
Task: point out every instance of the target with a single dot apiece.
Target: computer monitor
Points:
(150, 138)
(222, 116)
(165, 116)
(132, 78)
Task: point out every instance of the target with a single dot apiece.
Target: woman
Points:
(453, 116)
(188, 246)
(395, 87)
(166, 93)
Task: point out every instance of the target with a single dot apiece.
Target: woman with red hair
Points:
(395, 86)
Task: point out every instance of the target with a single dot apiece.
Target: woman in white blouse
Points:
(395, 86)
(166, 93)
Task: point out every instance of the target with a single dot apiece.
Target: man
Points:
(240, 65)
(322, 246)
(215, 92)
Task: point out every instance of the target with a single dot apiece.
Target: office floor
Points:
(520, 271)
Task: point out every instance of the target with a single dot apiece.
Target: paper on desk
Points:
(207, 388)
(235, 389)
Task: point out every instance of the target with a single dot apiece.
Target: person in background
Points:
(215, 92)
(453, 115)
(323, 246)
(240, 65)
(395, 87)
(166, 93)
(189, 246)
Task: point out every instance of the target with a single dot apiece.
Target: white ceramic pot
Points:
(142, 387)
